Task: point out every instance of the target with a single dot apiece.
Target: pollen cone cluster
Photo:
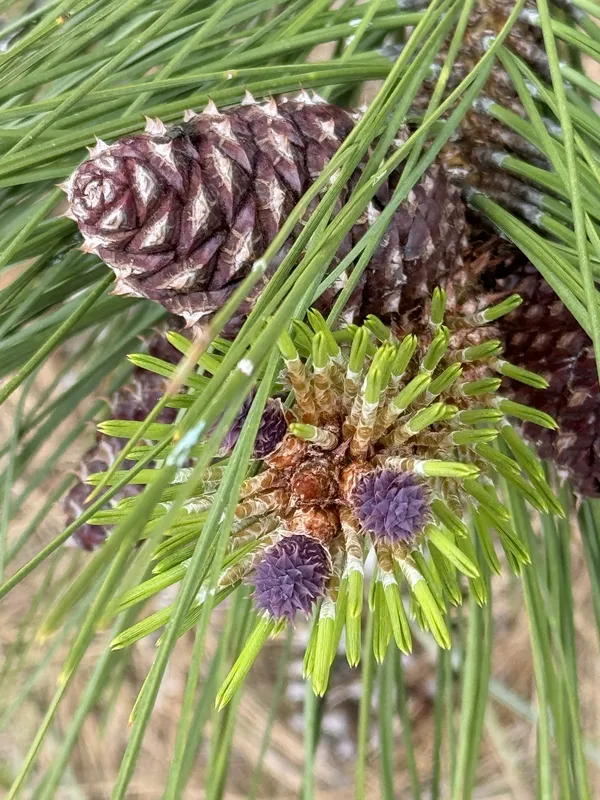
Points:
(182, 213)
(391, 443)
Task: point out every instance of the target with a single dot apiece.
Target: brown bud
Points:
(314, 483)
(322, 524)
(290, 452)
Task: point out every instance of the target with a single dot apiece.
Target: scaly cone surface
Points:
(543, 335)
(475, 153)
(181, 213)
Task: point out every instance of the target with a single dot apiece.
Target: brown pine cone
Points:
(480, 140)
(133, 401)
(182, 213)
(543, 336)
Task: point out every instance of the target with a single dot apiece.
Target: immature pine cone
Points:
(272, 428)
(133, 401)
(182, 213)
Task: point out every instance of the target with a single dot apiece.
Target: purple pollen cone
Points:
(291, 576)
(272, 428)
(391, 505)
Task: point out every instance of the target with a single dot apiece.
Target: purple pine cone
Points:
(272, 428)
(391, 505)
(291, 576)
(233, 434)
(133, 401)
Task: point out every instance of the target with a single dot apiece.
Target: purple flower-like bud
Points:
(291, 576)
(272, 428)
(391, 505)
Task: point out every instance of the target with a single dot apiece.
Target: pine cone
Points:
(181, 213)
(384, 445)
(134, 401)
(474, 155)
(542, 335)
